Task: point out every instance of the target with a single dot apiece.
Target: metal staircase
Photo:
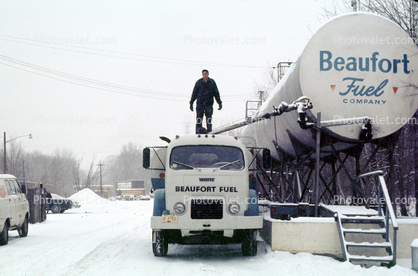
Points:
(365, 237)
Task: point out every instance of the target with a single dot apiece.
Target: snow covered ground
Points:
(114, 238)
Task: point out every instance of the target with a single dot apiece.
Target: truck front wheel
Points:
(159, 243)
(23, 231)
(4, 235)
(249, 243)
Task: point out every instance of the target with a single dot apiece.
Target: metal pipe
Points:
(387, 199)
(301, 105)
(349, 121)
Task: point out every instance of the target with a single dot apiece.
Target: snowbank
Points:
(115, 239)
(87, 196)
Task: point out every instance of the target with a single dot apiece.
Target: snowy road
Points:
(114, 238)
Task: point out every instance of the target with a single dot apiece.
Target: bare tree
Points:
(60, 171)
(402, 12)
(270, 81)
(15, 158)
(90, 177)
(127, 165)
(77, 174)
(36, 167)
(55, 172)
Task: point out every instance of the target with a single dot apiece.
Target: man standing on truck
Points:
(204, 91)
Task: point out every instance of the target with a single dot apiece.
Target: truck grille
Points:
(207, 208)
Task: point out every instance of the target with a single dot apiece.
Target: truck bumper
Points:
(232, 223)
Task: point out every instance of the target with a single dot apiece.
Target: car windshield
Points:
(206, 156)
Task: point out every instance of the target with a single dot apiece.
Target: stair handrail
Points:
(389, 214)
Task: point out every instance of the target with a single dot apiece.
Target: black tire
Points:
(23, 231)
(160, 247)
(4, 235)
(249, 243)
(55, 209)
(62, 211)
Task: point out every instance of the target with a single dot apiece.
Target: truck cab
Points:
(14, 208)
(205, 193)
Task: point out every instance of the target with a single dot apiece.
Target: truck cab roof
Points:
(205, 139)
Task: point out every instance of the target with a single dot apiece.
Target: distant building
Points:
(133, 188)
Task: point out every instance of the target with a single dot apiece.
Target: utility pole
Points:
(4, 149)
(101, 186)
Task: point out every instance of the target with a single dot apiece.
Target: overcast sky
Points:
(91, 76)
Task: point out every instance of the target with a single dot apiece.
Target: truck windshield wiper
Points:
(185, 165)
(229, 163)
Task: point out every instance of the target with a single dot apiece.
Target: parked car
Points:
(14, 208)
(145, 197)
(58, 204)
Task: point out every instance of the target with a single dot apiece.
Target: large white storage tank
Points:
(355, 65)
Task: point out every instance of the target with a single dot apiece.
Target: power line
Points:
(124, 55)
(78, 78)
(96, 84)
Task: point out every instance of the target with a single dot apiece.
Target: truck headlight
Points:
(179, 208)
(233, 208)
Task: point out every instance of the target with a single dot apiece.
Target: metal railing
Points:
(389, 214)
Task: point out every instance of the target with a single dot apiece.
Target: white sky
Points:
(156, 49)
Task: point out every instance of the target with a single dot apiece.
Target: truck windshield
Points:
(206, 156)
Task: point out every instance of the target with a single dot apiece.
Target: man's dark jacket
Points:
(204, 92)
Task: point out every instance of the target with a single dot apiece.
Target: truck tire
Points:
(55, 209)
(23, 231)
(249, 243)
(160, 246)
(4, 235)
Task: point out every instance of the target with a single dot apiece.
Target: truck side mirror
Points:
(146, 157)
(266, 158)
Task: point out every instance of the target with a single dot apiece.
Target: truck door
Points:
(20, 202)
(4, 203)
(13, 201)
